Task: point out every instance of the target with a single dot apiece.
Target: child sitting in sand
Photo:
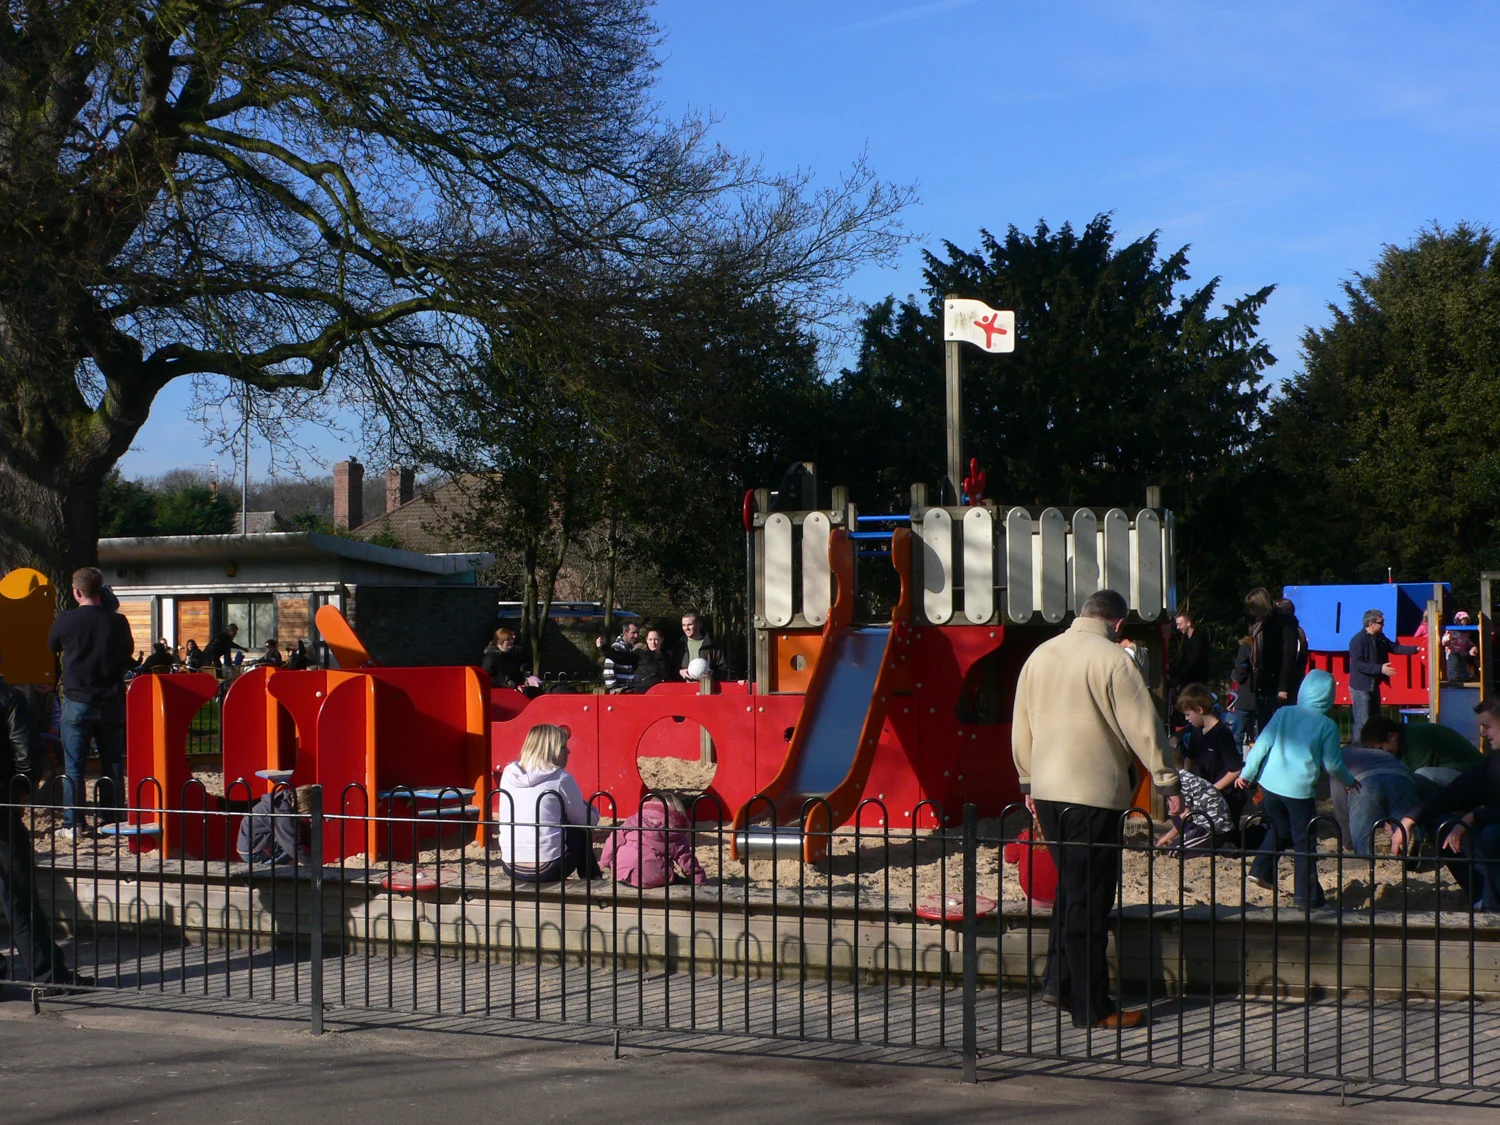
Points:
(276, 829)
(653, 848)
(1212, 804)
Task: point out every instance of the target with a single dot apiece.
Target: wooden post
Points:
(1434, 651)
(955, 398)
(755, 621)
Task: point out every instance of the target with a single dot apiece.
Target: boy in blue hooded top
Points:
(1297, 745)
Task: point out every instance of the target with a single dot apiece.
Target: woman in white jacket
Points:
(542, 817)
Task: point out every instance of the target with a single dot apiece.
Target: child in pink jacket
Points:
(652, 848)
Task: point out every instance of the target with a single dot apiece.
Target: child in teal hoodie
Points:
(1298, 744)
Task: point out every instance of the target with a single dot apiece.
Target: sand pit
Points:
(903, 866)
(679, 774)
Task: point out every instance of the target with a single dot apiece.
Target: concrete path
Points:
(85, 1061)
(1385, 1048)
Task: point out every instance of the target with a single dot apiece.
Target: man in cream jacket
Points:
(1083, 719)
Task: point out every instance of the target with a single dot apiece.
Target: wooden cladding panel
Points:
(291, 620)
(137, 611)
(192, 622)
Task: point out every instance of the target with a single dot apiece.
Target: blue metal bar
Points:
(869, 535)
(883, 519)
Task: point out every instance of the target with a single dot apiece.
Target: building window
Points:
(256, 617)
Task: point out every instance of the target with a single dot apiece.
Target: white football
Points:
(697, 668)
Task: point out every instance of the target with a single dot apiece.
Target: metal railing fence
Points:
(932, 940)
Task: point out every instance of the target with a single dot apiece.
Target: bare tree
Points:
(322, 201)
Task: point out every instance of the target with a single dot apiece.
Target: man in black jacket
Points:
(1273, 655)
(41, 959)
(1370, 666)
(96, 648)
(697, 644)
(219, 648)
(1189, 660)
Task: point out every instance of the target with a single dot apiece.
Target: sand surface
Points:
(903, 866)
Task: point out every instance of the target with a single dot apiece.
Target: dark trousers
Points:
(102, 723)
(578, 856)
(1364, 706)
(30, 929)
(1267, 705)
(1287, 824)
(1084, 843)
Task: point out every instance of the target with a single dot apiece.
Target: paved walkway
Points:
(1388, 1046)
(125, 1061)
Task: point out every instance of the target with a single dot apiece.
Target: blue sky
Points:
(1285, 142)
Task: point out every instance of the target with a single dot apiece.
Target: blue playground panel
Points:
(1331, 615)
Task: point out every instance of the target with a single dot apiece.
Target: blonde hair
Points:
(302, 797)
(1259, 601)
(543, 747)
(669, 799)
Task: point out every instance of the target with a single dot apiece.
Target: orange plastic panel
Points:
(786, 648)
(347, 648)
(158, 711)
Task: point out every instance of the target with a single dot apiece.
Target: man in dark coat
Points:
(1189, 660)
(1370, 666)
(218, 649)
(697, 644)
(96, 647)
(40, 958)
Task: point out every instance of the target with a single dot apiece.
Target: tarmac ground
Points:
(125, 1061)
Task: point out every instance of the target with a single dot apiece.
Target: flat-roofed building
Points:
(409, 608)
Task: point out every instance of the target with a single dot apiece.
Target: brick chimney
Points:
(400, 486)
(348, 494)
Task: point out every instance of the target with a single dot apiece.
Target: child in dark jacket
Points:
(1213, 804)
(653, 848)
(275, 830)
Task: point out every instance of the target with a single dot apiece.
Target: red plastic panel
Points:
(1408, 687)
(346, 738)
(257, 733)
(666, 724)
(893, 780)
(301, 695)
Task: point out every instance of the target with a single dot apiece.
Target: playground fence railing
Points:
(933, 942)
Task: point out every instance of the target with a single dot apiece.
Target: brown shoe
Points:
(1133, 1018)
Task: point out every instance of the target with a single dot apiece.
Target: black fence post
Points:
(315, 981)
(971, 944)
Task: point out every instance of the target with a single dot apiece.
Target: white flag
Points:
(994, 330)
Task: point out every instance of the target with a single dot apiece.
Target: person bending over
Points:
(1213, 804)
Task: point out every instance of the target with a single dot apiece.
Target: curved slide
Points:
(833, 745)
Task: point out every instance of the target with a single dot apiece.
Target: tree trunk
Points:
(55, 447)
(51, 525)
(550, 589)
(531, 635)
(611, 563)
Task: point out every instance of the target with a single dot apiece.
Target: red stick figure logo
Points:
(991, 329)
